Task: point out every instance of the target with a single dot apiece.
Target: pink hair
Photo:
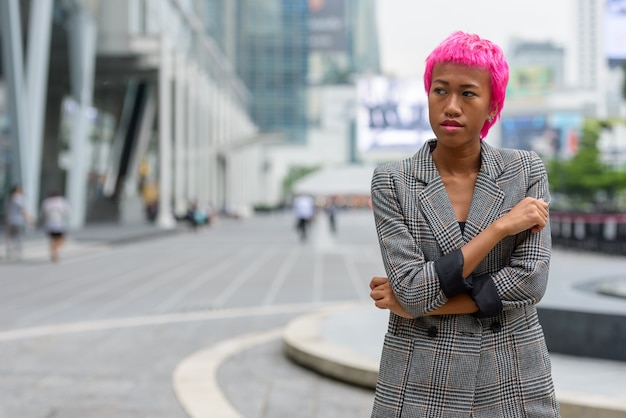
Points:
(473, 51)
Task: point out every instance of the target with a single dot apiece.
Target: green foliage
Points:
(584, 179)
(264, 208)
(295, 173)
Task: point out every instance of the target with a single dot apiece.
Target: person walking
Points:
(55, 210)
(465, 240)
(304, 210)
(331, 211)
(16, 220)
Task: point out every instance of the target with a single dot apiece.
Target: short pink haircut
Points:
(473, 51)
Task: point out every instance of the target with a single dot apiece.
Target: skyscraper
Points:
(280, 47)
(267, 42)
(589, 59)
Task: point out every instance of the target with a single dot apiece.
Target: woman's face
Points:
(459, 102)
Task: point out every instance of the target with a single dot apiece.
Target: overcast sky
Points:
(410, 29)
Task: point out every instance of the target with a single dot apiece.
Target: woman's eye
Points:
(469, 94)
(438, 90)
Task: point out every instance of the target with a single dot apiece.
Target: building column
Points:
(248, 187)
(212, 144)
(245, 187)
(180, 202)
(202, 163)
(165, 218)
(26, 90)
(13, 65)
(192, 132)
(82, 52)
(37, 65)
(224, 172)
(231, 173)
(202, 168)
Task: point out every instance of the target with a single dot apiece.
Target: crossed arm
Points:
(530, 213)
(384, 298)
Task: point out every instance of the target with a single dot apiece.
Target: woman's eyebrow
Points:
(465, 86)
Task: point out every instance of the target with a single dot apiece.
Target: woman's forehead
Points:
(449, 71)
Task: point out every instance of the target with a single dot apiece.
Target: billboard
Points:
(549, 135)
(391, 113)
(615, 29)
(327, 25)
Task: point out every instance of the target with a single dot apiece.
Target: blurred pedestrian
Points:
(55, 211)
(150, 197)
(465, 240)
(16, 220)
(331, 211)
(304, 210)
(196, 216)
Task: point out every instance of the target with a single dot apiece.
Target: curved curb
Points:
(195, 378)
(303, 344)
(582, 405)
(615, 289)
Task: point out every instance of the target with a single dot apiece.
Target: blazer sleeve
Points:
(413, 280)
(524, 279)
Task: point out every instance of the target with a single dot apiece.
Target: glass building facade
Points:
(272, 60)
(282, 47)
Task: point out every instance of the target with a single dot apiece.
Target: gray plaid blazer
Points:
(462, 365)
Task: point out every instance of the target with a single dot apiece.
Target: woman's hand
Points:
(530, 213)
(384, 298)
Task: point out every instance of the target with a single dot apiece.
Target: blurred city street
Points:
(100, 333)
(103, 332)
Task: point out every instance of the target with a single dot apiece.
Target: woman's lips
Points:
(451, 125)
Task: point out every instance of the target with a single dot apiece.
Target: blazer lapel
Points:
(488, 196)
(434, 203)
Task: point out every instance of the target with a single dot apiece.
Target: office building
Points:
(139, 98)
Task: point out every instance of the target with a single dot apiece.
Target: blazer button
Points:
(432, 331)
(496, 326)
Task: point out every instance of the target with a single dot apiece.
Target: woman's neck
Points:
(456, 162)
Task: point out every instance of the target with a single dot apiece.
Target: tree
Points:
(584, 179)
(296, 173)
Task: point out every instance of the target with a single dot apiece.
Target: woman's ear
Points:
(493, 113)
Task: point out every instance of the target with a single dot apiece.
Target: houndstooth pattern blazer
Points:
(462, 365)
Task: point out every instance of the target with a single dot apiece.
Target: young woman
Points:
(55, 211)
(465, 240)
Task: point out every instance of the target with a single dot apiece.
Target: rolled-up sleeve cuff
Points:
(449, 269)
(485, 295)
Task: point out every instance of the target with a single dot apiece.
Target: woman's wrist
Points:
(498, 230)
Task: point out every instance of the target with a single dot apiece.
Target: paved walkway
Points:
(86, 240)
(343, 341)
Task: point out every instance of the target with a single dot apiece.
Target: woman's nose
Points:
(452, 108)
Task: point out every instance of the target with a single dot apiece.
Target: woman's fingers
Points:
(380, 291)
(377, 281)
(530, 213)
